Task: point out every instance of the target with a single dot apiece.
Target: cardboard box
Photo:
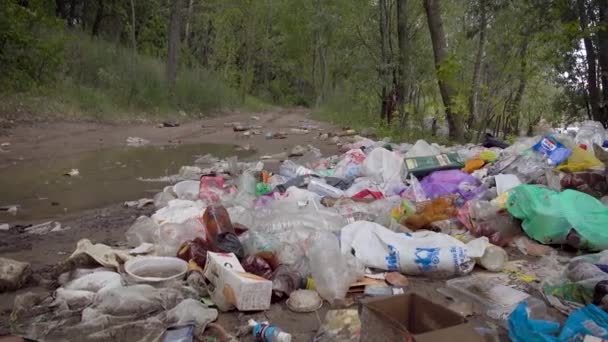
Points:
(233, 287)
(411, 317)
(422, 166)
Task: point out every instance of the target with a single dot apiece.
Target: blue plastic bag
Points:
(553, 149)
(590, 320)
(524, 329)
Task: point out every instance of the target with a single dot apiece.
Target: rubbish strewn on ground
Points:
(496, 226)
(137, 141)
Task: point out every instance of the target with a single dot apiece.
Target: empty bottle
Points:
(217, 221)
(323, 189)
(268, 333)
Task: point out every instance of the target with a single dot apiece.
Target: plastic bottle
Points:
(268, 333)
(217, 221)
(290, 169)
(323, 189)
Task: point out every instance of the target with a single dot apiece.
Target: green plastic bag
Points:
(549, 216)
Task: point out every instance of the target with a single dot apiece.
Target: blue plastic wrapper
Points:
(590, 320)
(553, 149)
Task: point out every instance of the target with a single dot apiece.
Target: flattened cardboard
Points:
(411, 317)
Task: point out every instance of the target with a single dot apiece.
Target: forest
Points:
(411, 68)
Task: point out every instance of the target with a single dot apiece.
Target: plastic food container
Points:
(155, 269)
(496, 300)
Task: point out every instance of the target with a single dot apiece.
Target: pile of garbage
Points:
(244, 235)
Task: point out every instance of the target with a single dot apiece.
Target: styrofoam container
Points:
(155, 269)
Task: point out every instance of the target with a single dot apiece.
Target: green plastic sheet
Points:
(549, 216)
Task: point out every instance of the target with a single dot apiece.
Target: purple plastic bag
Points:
(440, 183)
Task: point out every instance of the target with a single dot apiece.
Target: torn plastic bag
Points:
(440, 183)
(552, 217)
(414, 192)
(331, 270)
(594, 184)
(420, 253)
(191, 310)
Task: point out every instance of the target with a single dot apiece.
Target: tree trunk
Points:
(188, 21)
(433, 14)
(72, 17)
(594, 98)
(514, 105)
(476, 84)
(98, 18)
(174, 41)
(383, 69)
(403, 59)
(603, 52)
(133, 40)
(60, 9)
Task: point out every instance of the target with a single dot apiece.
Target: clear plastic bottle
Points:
(323, 189)
(268, 333)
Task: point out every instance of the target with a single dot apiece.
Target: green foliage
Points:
(30, 45)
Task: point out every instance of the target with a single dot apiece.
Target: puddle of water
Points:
(106, 177)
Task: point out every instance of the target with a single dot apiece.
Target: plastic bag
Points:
(590, 132)
(505, 183)
(330, 269)
(482, 218)
(580, 160)
(211, 188)
(422, 149)
(191, 310)
(178, 211)
(551, 217)
(94, 282)
(129, 300)
(593, 184)
(162, 199)
(524, 329)
(440, 183)
(144, 229)
(419, 253)
(350, 165)
(384, 166)
(439, 209)
(172, 235)
(414, 192)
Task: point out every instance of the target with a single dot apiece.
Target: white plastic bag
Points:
(419, 253)
(422, 149)
(178, 211)
(384, 166)
(95, 281)
(74, 299)
(144, 229)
